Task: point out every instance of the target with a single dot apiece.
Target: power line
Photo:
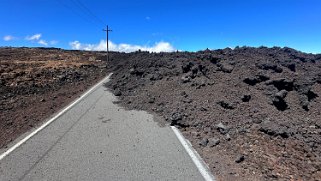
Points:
(77, 13)
(89, 12)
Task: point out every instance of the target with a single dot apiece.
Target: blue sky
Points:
(165, 24)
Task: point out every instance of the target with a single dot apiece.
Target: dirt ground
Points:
(252, 113)
(35, 83)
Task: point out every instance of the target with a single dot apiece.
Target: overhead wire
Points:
(89, 12)
(80, 14)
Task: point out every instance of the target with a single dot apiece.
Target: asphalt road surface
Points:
(98, 140)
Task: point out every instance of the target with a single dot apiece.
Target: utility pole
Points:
(107, 30)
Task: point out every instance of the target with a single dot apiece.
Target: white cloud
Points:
(36, 38)
(43, 42)
(33, 37)
(53, 42)
(123, 47)
(75, 45)
(8, 38)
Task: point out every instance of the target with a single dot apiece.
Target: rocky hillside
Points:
(252, 113)
(35, 83)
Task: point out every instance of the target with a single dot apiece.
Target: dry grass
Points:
(48, 63)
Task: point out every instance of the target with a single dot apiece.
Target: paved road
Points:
(98, 140)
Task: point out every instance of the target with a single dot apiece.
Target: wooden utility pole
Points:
(107, 30)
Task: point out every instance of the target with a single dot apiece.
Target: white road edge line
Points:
(52, 119)
(198, 161)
